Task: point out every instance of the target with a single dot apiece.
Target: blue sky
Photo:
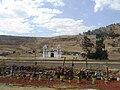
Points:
(46, 18)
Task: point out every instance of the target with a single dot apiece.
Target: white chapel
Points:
(51, 53)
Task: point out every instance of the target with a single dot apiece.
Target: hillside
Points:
(111, 34)
(112, 31)
(9, 43)
(15, 42)
(68, 43)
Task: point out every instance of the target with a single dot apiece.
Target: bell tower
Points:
(59, 51)
(45, 51)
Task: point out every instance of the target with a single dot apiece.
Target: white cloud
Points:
(65, 26)
(51, 11)
(14, 25)
(112, 4)
(115, 5)
(45, 15)
(15, 17)
(42, 19)
(56, 2)
(13, 14)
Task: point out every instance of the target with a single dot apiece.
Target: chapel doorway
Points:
(52, 54)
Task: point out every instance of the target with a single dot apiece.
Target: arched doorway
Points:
(52, 54)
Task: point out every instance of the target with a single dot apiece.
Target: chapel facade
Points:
(51, 52)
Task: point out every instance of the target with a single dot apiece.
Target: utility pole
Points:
(107, 68)
(35, 54)
(64, 61)
(72, 62)
(3, 71)
(86, 62)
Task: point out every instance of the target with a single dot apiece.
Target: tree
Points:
(100, 53)
(87, 46)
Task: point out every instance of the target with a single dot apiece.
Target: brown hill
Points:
(68, 43)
